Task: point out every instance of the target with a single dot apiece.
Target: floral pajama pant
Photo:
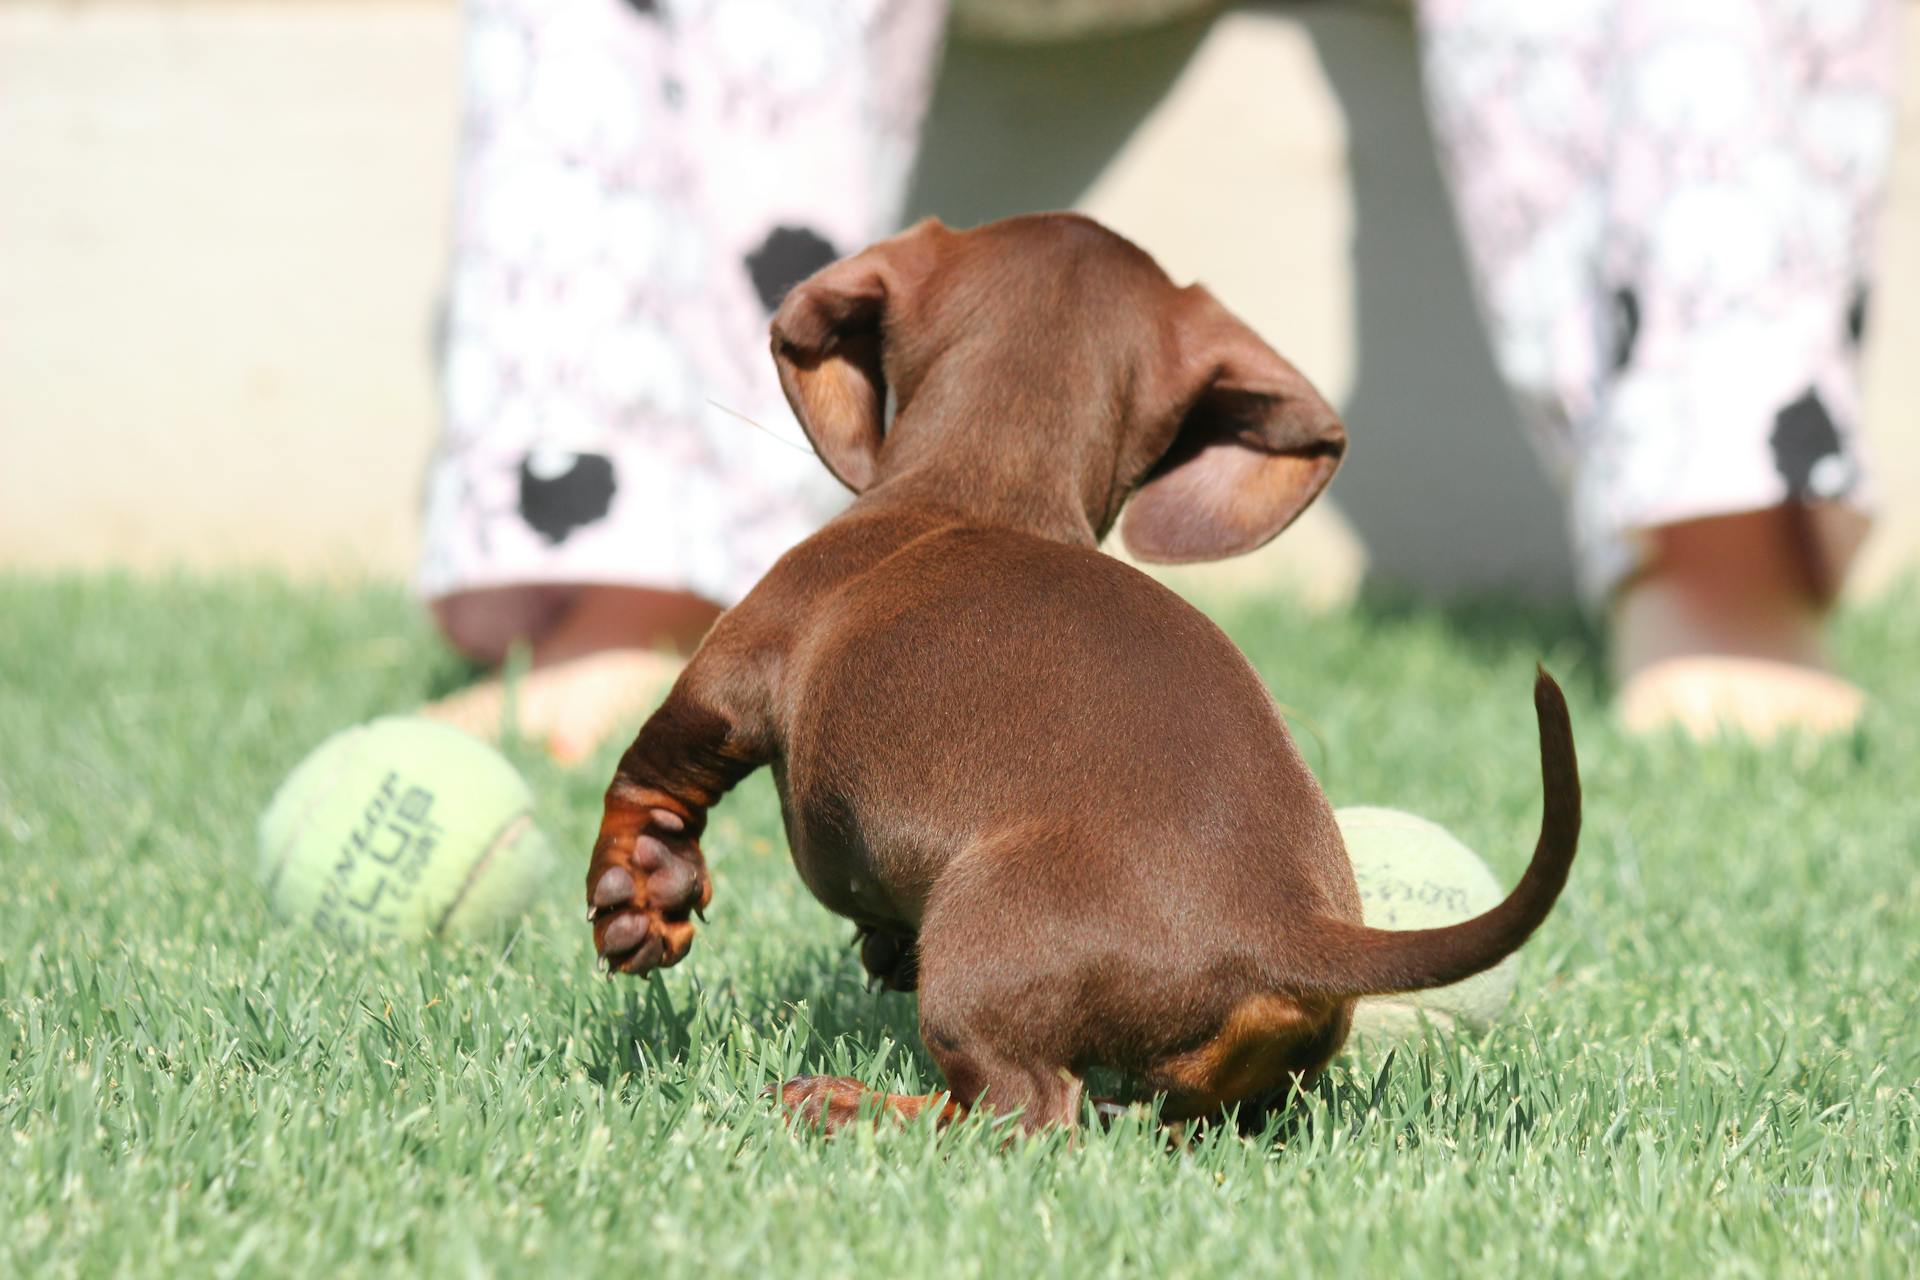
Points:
(1669, 210)
(1668, 207)
(639, 183)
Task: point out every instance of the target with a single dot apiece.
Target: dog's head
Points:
(1046, 358)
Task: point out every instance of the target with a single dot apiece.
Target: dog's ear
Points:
(1256, 444)
(827, 347)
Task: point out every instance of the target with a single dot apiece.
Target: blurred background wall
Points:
(223, 231)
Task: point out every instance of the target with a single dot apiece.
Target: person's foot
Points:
(1724, 632)
(1713, 694)
(594, 674)
(568, 707)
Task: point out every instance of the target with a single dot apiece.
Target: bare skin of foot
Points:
(1724, 632)
(593, 674)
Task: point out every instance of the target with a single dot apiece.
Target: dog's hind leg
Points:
(1041, 1096)
(980, 1033)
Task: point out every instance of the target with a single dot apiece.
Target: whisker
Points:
(803, 448)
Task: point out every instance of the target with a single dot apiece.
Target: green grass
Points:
(1710, 1066)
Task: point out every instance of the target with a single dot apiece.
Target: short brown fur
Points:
(1053, 796)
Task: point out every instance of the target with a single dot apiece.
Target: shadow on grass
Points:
(1482, 631)
(1492, 627)
(655, 1025)
(824, 996)
(831, 988)
(1417, 1092)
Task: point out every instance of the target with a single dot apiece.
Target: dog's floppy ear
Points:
(826, 345)
(1256, 444)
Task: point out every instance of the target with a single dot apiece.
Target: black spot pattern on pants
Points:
(786, 257)
(1857, 315)
(1803, 437)
(1626, 326)
(555, 503)
(645, 8)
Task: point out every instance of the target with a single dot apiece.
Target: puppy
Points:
(1052, 795)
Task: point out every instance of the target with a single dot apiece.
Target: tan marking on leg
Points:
(1259, 1044)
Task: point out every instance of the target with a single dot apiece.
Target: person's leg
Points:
(638, 184)
(1751, 150)
(1517, 98)
(1723, 627)
(1670, 249)
(598, 657)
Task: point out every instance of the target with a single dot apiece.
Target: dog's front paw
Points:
(647, 878)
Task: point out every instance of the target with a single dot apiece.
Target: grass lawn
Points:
(1710, 1066)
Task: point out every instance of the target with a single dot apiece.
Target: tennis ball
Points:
(402, 828)
(1414, 875)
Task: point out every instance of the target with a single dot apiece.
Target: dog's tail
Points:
(1359, 961)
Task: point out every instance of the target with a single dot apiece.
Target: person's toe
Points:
(1711, 694)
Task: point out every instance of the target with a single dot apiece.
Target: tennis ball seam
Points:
(509, 831)
(315, 801)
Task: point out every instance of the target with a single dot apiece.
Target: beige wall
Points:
(222, 228)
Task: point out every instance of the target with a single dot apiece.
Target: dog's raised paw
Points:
(647, 878)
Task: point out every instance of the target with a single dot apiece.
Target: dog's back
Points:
(1021, 682)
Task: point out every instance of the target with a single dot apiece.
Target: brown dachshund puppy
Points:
(1052, 795)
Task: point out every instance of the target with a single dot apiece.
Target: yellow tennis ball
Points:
(402, 828)
(1414, 875)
